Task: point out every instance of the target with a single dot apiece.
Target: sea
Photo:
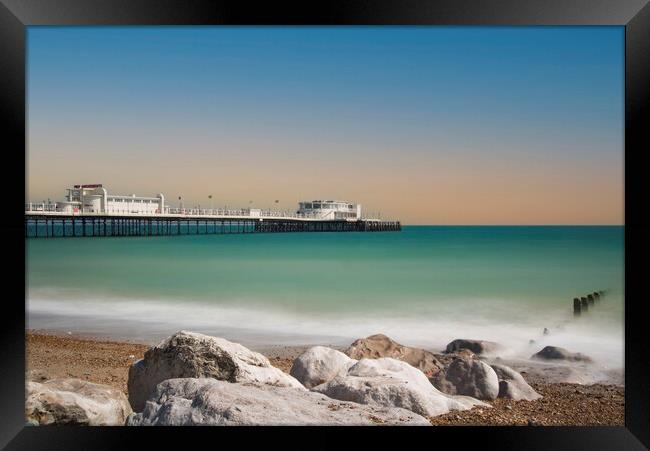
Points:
(422, 286)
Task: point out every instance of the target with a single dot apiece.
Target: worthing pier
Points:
(89, 210)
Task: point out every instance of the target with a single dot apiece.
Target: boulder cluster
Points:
(195, 379)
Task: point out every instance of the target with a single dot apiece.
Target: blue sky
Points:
(366, 101)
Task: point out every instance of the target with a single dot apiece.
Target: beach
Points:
(52, 354)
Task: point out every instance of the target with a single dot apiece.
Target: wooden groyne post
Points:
(576, 306)
(584, 302)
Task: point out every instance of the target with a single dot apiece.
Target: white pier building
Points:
(330, 209)
(95, 199)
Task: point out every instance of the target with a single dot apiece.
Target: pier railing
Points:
(29, 207)
(250, 212)
(54, 209)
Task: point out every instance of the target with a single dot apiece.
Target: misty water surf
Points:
(422, 286)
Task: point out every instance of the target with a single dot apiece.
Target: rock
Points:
(557, 371)
(319, 364)
(75, 402)
(446, 359)
(479, 347)
(188, 354)
(469, 377)
(512, 385)
(190, 401)
(392, 383)
(377, 346)
(557, 353)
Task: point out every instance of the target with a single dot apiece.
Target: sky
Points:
(426, 124)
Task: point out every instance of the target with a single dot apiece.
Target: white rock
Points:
(190, 401)
(75, 402)
(392, 383)
(188, 354)
(319, 364)
(512, 385)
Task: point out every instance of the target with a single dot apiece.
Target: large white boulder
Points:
(468, 376)
(319, 364)
(181, 402)
(75, 402)
(189, 354)
(512, 385)
(392, 383)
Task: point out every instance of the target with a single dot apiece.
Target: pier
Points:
(89, 210)
(42, 224)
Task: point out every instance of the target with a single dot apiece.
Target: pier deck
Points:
(48, 224)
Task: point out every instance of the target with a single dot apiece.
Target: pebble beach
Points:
(52, 355)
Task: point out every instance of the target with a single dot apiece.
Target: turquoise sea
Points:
(425, 285)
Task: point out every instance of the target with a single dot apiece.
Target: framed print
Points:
(360, 215)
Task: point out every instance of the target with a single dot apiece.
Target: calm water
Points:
(424, 285)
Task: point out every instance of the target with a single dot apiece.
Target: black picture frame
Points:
(634, 15)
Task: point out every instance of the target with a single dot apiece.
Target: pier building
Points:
(94, 198)
(330, 209)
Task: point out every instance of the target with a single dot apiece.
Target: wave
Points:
(597, 335)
